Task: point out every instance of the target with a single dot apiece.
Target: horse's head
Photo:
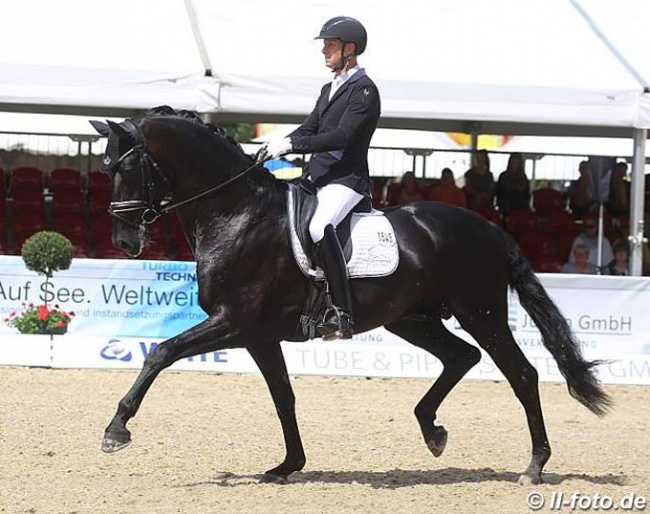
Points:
(138, 187)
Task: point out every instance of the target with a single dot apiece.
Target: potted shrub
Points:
(45, 253)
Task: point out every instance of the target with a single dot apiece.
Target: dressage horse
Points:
(234, 215)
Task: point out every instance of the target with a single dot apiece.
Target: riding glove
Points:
(279, 147)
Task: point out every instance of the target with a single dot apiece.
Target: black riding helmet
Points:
(347, 30)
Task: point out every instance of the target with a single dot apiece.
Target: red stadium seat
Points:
(27, 177)
(98, 181)
(64, 178)
(71, 225)
(101, 229)
(26, 224)
(547, 265)
(25, 199)
(546, 199)
(558, 222)
(535, 245)
(80, 250)
(66, 200)
(98, 201)
(518, 222)
(564, 245)
(490, 214)
(106, 250)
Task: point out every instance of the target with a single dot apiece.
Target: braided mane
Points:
(167, 111)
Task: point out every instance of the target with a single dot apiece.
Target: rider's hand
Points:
(279, 147)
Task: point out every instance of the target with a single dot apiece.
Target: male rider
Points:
(337, 133)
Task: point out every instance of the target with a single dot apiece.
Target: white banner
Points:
(125, 308)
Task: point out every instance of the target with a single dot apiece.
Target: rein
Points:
(151, 212)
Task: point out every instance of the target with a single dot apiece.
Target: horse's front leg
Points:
(270, 361)
(210, 335)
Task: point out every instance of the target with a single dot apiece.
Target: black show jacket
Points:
(338, 133)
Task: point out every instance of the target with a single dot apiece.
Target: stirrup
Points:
(336, 324)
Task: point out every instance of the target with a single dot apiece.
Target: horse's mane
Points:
(168, 112)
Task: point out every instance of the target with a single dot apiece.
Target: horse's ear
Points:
(119, 130)
(101, 127)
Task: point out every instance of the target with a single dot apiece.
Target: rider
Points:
(337, 133)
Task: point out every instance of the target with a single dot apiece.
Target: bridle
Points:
(152, 210)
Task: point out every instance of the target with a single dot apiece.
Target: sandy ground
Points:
(201, 441)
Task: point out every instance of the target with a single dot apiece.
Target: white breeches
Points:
(335, 201)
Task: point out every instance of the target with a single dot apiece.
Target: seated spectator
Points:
(447, 191)
(513, 188)
(410, 190)
(620, 264)
(589, 238)
(581, 200)
(580, 264)
(479, 182)
(618, 203)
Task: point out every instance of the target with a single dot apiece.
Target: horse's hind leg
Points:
(495, 337)
(271, 363)
(457, 358)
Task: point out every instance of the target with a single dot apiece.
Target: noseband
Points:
(151, 210)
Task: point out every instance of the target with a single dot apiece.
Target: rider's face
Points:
(332, 50)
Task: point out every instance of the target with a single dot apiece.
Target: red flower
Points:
(60, 324)
(42, 312)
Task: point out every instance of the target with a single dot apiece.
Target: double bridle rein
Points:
(150, 210)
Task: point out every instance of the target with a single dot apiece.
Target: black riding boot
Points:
(337, 323)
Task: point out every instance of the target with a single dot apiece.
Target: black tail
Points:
(556, 333)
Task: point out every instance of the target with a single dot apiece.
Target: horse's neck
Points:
(238, 207)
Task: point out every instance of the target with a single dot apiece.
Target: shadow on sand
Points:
(397, 478)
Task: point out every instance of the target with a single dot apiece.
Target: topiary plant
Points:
(46, 252)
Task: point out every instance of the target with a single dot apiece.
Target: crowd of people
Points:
(569, 245)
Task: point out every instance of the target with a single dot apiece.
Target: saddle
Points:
(366, 236)
(303, 202)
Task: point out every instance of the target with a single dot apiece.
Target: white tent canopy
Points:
(505, 66)
(552, 67)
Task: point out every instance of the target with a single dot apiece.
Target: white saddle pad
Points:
(374, 246)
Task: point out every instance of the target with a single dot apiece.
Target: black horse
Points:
(234, 214)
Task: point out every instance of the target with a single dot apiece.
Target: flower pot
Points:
(52, 331)
(55, 331)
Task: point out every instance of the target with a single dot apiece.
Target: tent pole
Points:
(198, 37)
(637, 194)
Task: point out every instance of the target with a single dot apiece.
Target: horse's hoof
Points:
(113, 443)
(438, 442)
(269, 478)
(529, 480)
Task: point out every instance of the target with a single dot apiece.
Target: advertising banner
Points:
(109, 296)
(124, 308)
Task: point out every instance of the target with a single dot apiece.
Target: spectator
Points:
(589, 238)
(619, 192)
(581, 200)
(479, 182)
(620, 264)
(579, 262)
(447, 191)
(513, 188)
(410, 189)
